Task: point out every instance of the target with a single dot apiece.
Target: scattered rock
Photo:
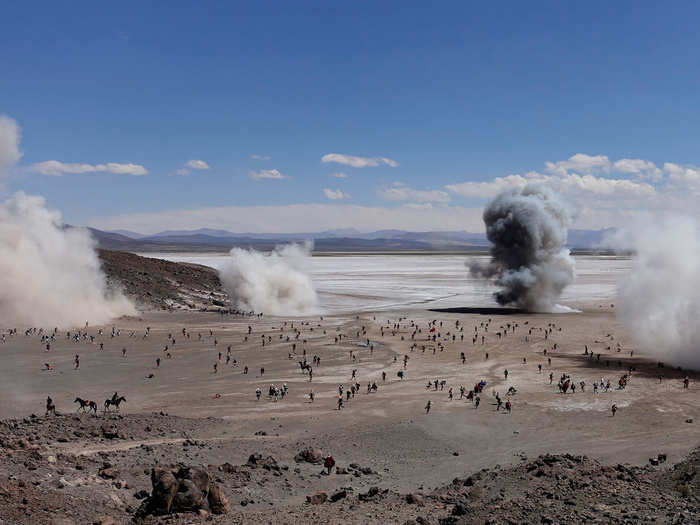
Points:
(108, 473)
(110, 431)
(309, 455)
(341, 494)
(218, 502)
(415, 499)
(317, 499)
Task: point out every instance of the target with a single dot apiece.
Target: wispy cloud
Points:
(197, 165)
(57, 168)
(339, 175)
(398, 191)
(358, 162)
(260, 157)
(193, 164)
(267, 174)
(579, 163)
(335, 194)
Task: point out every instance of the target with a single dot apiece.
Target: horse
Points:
(86, 405)
(115, 402)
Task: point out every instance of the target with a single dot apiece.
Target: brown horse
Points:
(86, 405)
(114, 402)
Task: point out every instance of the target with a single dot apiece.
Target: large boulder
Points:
(190, 489)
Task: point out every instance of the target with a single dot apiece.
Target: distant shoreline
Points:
(602, 253)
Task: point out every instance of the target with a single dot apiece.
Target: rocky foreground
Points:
(148, 469)
(156, 284)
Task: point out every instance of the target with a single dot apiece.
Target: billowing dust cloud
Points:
(50, 276)
(529, 262)
(659, 301)
(274, 283)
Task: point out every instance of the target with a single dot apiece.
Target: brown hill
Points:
(156, 284)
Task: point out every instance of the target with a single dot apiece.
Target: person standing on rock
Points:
(77, 361)
(427, 407)
(477, 400)
(258, 393)
(613, 409)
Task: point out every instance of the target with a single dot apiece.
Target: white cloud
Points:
(601, 186)
(302, 218)
(9, 145)
(641, 167)
(267, 174)
(683, 177)
(491, 188)
(339, 175)
(579, 163)
(358, 162)
(335, 194)
(260, 157)
(398, 191)
(193, 164)
(57, 168)
(197, 164)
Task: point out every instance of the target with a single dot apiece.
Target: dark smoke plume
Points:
(529, 262)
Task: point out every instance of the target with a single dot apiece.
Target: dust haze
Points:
(50, 276)
(659, 301)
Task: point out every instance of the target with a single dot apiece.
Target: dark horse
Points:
(86, 405)
(116, 402)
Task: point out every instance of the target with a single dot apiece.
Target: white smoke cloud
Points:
(274, 283)
(658, 302)
(50, 276)
(529, 262)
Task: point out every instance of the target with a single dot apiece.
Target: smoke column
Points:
(273, 284)
(527, 230)
(50, 276)
(659, 301)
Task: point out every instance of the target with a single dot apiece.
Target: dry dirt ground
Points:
(187, 414)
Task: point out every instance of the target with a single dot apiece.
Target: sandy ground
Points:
(389, 429)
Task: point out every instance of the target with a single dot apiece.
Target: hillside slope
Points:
(156, 284)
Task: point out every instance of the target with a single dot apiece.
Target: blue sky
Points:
(451, 93)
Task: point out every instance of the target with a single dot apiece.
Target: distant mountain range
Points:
(344, 240)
